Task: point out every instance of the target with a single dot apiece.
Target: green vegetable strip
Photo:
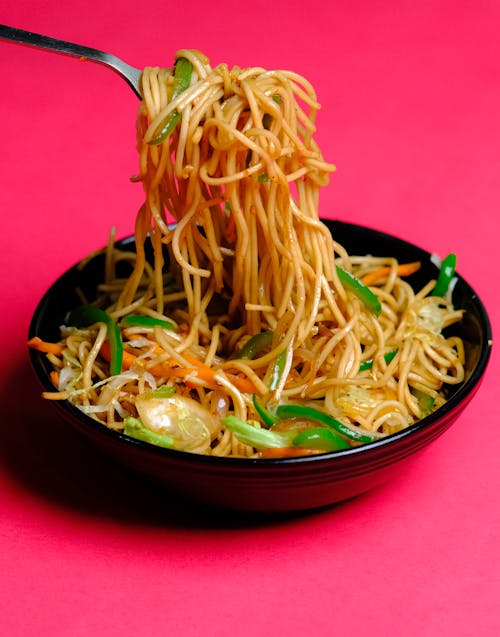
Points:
(320, 438)
(303, 411)
(256, 436)
(140, 320)
(425, 401)
(165, 391)
(256, 344)
(266, 416)
(446, 274)
(278, 368)
(85, 315)
(364, 294)
(182, 80)
(134, 428)
(388, 356)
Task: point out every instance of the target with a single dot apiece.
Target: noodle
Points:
(240, 175)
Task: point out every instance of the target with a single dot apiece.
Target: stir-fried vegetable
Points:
(173, 369)
(45, 346)
(266, 416)
(256, 436)
(182, 80)
(425, 402)
(368, 364)
(446, 274)
(364, 294)
(140, 320)
(403, 269)
(278, 369)
(320, 438)
(304, 411)
(291, 433)
(134, 428)
(174, 421)
(256, 344)
(84, 316)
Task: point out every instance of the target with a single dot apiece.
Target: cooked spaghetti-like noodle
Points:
(240, 175)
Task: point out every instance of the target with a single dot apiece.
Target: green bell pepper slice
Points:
(86, 315)
(320, 438)
(362, 291)
(265, 415)
(255, 345)
(258, 437)
(140, 320)
(388, 356)
(304, 411)
(182, 80)
(446, 274)
(425, 401)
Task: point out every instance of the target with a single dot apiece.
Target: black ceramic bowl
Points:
(277, 484)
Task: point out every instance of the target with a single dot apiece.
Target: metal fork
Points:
(129, 73)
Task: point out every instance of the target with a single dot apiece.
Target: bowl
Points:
(285, 484)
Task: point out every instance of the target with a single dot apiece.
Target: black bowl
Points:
(289, 483)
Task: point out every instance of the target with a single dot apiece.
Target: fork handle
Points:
(129, 73)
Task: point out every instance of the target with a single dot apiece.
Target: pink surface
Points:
(411, 101)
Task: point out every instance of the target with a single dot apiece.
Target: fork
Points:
(129, 73)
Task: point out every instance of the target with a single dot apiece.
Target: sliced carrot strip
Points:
(128, 358)
(54, 377)
(404, 269)
(45, 346)
(287, 452)
(199, 369)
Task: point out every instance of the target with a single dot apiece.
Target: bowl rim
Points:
(466, 389)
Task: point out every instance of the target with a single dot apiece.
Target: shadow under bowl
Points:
(285, 484)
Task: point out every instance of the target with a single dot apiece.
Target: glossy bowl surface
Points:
(276, 484)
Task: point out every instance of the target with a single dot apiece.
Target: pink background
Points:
(411, 112)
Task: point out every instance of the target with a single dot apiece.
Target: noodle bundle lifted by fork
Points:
(252, 332)
(240, 176)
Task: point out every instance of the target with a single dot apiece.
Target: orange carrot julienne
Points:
(162, 369)
(54, 377)
(287, 452)
(404, 269)
(45, 346)
(207, 374)
(166, 370)
(128, 358)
